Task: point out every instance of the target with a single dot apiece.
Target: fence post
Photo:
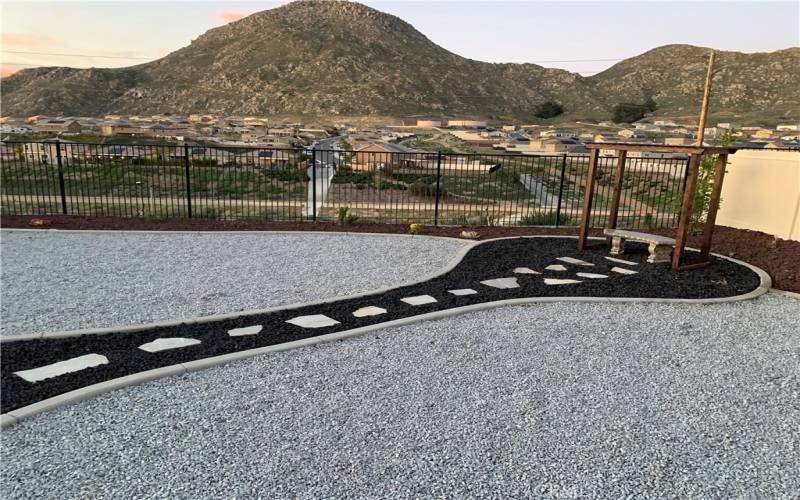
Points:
(188, 181)
(438, 178)
(61, 177)
(314, 183)
(561, 189)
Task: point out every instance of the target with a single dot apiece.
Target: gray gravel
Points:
(64, 281)
(559, 400)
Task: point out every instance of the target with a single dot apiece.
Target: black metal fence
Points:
(40, 178)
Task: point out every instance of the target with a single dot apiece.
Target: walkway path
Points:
(521, 268)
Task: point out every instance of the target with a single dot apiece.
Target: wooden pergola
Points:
(695, 154)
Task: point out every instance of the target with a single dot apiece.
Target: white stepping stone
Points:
(525, 270)
(368, 311)
(168, 343)
(556, 267)
(502, 283)
(622, 270)
(463, 291)
(577, 262)
(622, 261)
(313, 321)
(62, 367)
(248, 330)
(591, 275)
(419, 300)
(554, 281)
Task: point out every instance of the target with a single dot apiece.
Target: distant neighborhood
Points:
(208, 133)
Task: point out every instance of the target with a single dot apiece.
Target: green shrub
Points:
(287, 174)
(343, 217)
(548, 109)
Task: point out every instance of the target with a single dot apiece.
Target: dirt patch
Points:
(781, 260)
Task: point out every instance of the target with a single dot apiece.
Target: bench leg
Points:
(659, 253)
(617, 245)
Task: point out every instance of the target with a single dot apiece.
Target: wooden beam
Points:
(701, 126)
(686, 211)
(614, 209)
(586, 216)
(713, 205)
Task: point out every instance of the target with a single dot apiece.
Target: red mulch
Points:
(781, 262)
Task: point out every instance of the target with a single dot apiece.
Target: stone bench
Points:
(660, 246)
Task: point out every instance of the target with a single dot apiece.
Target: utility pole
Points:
(701, 127)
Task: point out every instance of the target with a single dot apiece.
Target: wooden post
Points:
(713, 205)
(686, 210)
(612, 217)
(587, 199)
(701, 127)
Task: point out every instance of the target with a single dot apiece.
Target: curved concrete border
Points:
(83, 393)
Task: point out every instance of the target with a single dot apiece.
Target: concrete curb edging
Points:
(15, 416)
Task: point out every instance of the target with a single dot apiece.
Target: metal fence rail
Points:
(40, 178)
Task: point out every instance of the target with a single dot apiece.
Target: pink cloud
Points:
(60, 12)
(230, 16)
(6, 71)
(24, 39)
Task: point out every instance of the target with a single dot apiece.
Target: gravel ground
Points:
(559, 400)
(64, 281)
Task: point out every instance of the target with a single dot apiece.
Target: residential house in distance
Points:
(788, 127)
(762, 133)
(606, 138)
(562, 145)
(429, 123)
(466, 124)
(556, 133)
(58, 126)
(45, 151)
(35, 119)
(665, 123)
(211, 155)
(118, 152)
(123, 128)
(632, 133)
(263, 158)
(377, 155)
(178, 132)
(281, 132)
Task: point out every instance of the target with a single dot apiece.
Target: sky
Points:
(585, 37)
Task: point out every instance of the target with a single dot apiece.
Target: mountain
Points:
(343, 58)
(765, 84)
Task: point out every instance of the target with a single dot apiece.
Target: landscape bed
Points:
(486, 261)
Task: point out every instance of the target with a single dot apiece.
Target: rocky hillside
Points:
(343, 58)
(766, 83)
